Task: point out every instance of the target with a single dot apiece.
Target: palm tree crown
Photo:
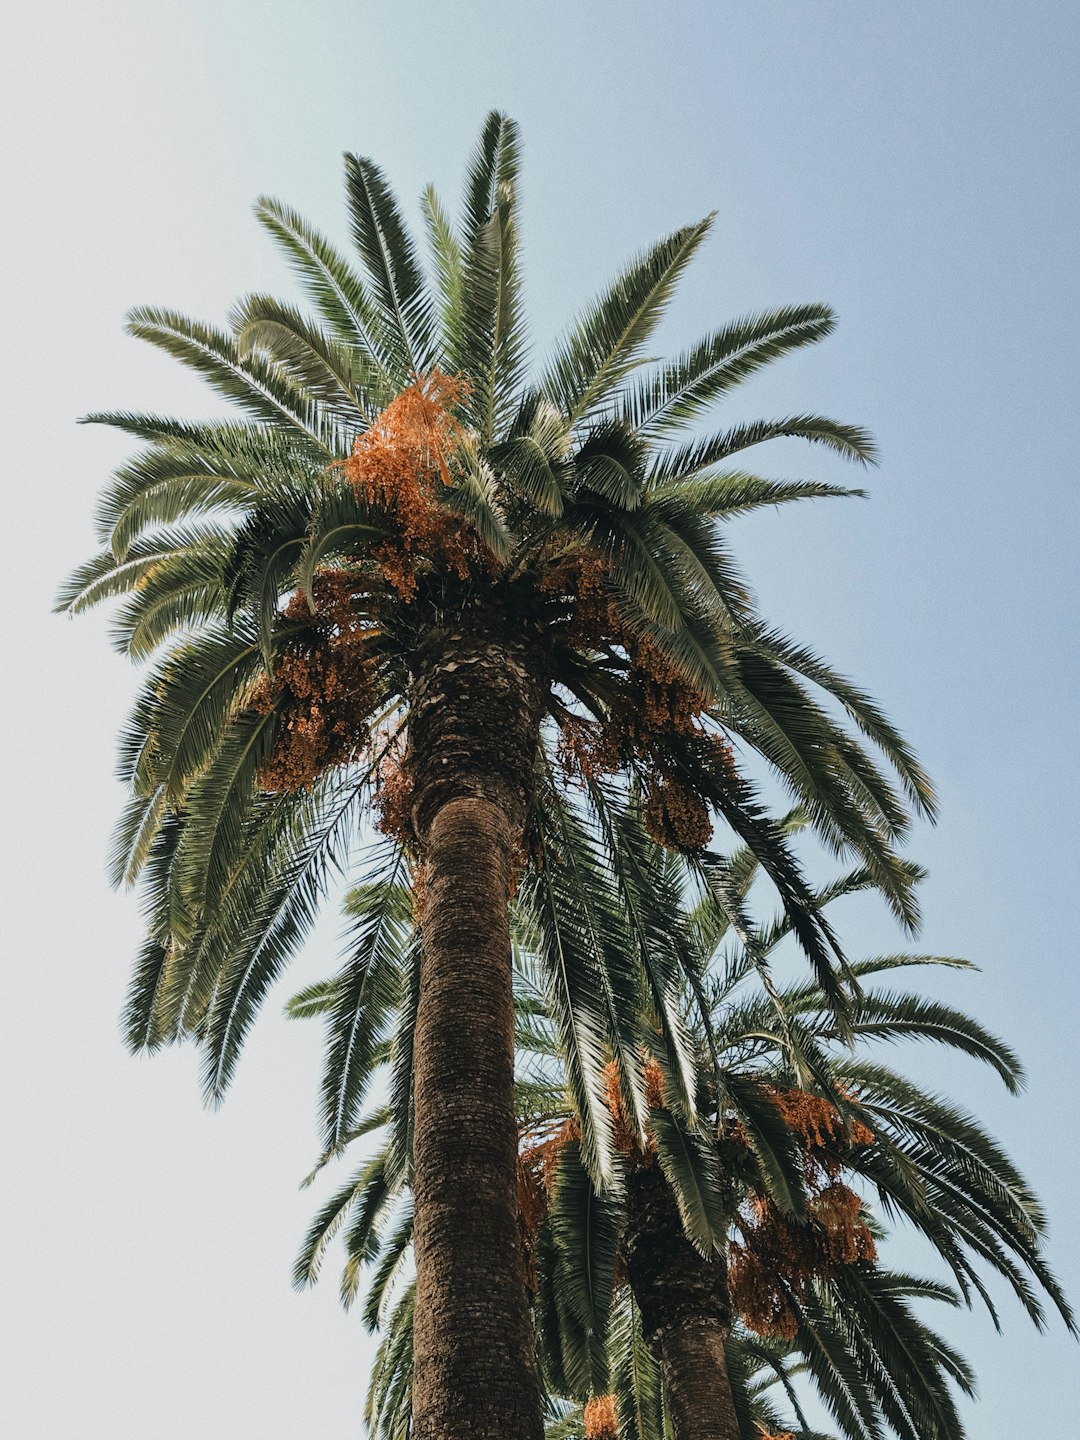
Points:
(401, 476)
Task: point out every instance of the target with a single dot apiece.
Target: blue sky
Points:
(914, 165)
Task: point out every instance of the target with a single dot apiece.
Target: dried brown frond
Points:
(537, 1169)
(532, 1203)
(627, 1138)
(654, 1084)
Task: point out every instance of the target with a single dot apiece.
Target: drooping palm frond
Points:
(368, 992)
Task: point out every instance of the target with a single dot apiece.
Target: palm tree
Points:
(745, 1215)
(738, 1238)
(413, 573)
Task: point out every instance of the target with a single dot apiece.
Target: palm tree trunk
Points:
(696, 1381)
(685, 1311)
(473, 732)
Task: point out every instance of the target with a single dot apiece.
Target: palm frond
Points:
(367, 990)
(390, 258)
(680, 390)
(339, 293)
(342, 378)
(681, 462)
(606, 343)
(489, 339)
(586, 1225)
(449, 263)
(259, 386)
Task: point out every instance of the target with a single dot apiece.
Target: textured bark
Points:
(696, 1381)
(473, 733)
(685, 1311)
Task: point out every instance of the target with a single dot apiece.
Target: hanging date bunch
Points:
(827, 1135)
(657, 714)
(537, 1170)
(601, 1418)
(322, 683)
(778, 1256)
(399, 465)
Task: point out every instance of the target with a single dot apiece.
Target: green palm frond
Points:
(491, 348)
(265, 920)
(896, 1352)
(737, 492)
(172, 482)
(636, 1379)
(178, 598)
(649, 891)
(393, 1260)
(335, 288)
(388, 1412)
(449, 263)
(867, 715)
(692, 1168)
(389, 256)
(607, 342)
(690, 459)
(333, 1214)
(680, 390)
(585, 1224)
(475, 497)
(258, 386)
(368, 990)
(494, 163)
(186, 707)
(535, 460)
(340, 377)
(105, 577)
(572, 941)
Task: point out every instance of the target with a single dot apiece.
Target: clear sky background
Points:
(913, 164)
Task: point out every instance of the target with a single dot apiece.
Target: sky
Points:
(915, 166)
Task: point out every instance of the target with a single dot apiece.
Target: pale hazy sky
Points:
(914, 164)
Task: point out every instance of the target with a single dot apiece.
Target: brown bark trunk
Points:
(685, 1311)
(473, 735)
(696, 1381)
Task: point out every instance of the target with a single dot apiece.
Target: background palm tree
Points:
(413, 572)
(764, 1187)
